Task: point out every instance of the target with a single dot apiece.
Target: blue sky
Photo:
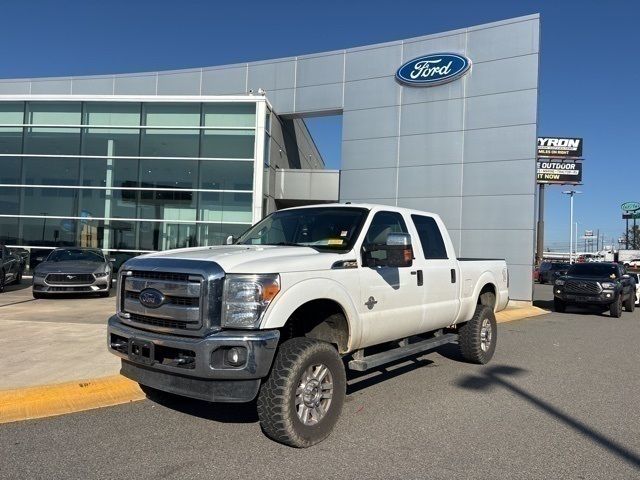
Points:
(588, 80)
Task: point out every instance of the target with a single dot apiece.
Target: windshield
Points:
(594, 270)
(324, 228)
(76, 255)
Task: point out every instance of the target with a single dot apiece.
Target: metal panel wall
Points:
(465, 149)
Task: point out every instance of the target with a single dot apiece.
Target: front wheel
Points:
(477, 338)
(300, 401)
(616, 307)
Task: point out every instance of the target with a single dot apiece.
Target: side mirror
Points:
(230, 240)
(396, 253)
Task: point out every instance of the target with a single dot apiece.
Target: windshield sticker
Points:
(335, 241)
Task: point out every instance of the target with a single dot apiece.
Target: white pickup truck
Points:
(278, 313)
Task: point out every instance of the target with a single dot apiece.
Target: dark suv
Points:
(596, 284)
(549, 271)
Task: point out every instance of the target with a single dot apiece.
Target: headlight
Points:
(608, 285)
(101, 274)
(246, 297)
(559, 282)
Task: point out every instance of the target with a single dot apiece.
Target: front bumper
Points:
(603, 298)
(99, 284)
(194, 367)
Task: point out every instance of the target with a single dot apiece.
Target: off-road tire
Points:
(559, 305)
(277, 398)
(630, 303)
(616, 307)
(470, 336)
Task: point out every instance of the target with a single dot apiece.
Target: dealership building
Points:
(142, 162)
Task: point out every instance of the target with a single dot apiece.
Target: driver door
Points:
(390, 298)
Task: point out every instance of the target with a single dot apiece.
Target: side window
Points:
(383, 224)
(430, 237)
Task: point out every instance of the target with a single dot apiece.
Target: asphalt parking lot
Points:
(559, 400)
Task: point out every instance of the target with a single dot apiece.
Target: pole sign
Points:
(588, 233)
(630, 206)
(559, 147)
(566, 173)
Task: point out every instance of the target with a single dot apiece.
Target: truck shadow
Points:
(217, 412)
(496, 376)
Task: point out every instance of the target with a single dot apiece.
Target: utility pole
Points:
(540, 236)
(571, 194)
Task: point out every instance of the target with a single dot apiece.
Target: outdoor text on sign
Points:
(559, 172)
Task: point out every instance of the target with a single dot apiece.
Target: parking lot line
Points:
(46, 401)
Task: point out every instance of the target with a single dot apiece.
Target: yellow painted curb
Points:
(512, 314)
(46, 401)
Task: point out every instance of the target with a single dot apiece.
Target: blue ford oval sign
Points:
(434, 69)
(151, 298)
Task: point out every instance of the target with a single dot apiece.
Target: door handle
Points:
(453, 275)
(419, 276)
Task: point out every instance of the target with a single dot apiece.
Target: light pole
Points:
(571, 193)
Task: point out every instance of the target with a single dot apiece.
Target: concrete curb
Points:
(50, 400)
(519, 313)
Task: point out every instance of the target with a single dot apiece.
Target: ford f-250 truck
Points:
(279, 312)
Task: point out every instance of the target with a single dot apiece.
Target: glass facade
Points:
(128, 176)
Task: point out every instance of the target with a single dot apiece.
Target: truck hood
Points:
(258, 258)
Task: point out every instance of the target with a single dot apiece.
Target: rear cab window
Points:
(433, 246)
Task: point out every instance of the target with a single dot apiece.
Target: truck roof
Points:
(368, 206)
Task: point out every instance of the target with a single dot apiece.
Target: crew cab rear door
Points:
(441, 274)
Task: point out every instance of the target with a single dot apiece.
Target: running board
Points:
(361, 363)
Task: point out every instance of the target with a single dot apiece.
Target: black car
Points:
(604, 285)
(549, 271)
(11, 267)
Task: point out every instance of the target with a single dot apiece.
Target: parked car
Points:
(636, 277)
(73, 270)
(11, 267)
(277, 314)
(549, 271)
(596, 284)
(633, 263)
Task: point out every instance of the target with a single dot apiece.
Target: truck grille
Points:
(583, 287)
(188, 299)
(69, 279)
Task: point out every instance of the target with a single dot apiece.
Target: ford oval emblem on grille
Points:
(151, 298)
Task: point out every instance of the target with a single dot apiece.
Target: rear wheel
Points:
(559, 305)
(630, 303)
(477, 338)
(616, 307)
(300, 401)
